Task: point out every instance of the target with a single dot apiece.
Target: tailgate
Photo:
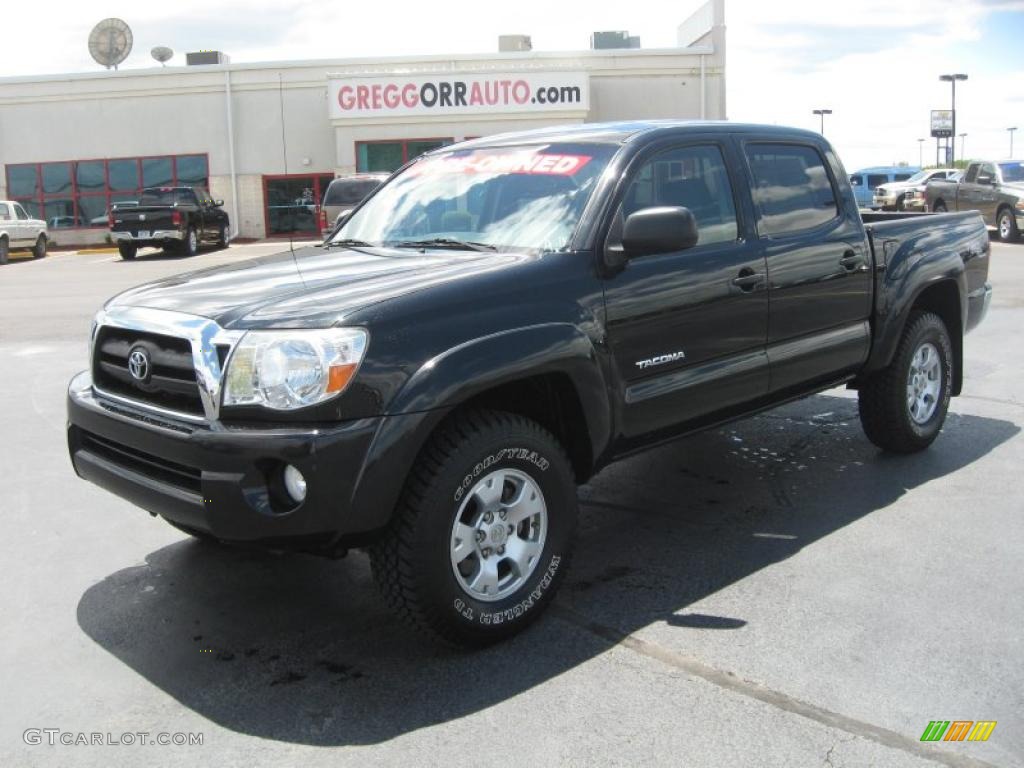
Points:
(144, 219)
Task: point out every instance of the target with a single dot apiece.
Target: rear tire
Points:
(481, 537)
(1007, 226)
(128, 252)
(39, 250)
(190, 245)
(903, 406)
(5, 250)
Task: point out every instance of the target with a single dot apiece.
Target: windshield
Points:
(1012, 172)
(919, 176)
(527, 197)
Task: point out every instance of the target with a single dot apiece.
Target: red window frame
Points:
(41, 197)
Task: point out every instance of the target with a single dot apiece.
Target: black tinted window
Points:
(877, 180)
(792, 189)
(693, 177)
(167, 196)
(342, 192)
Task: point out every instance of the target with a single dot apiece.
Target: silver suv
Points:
(345, 193)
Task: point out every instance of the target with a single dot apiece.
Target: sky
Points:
(875, 63)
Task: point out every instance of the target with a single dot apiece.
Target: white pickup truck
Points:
(18, 230)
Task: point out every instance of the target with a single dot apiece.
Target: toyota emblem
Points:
(138, 364)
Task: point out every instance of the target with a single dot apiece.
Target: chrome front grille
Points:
(184, 359)
(171, 384)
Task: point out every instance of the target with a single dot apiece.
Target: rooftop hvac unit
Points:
(511, 43)
(600, 41)
(197, 58)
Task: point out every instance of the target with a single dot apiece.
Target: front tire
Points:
(899, 204)
(223, 236)
(482, 535)
(128, 252)
(939, 207)
(39, 250)
(903, 406)
(1007, 226)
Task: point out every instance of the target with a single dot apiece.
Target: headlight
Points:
(284, 370)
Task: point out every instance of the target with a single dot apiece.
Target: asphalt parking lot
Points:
(776, 592)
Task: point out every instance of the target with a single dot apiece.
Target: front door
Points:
(818, 265)
(687, 329)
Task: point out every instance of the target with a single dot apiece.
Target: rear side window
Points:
(902, 176)
(792, 189)
(693, 177)
(349, 192)
(877, 180)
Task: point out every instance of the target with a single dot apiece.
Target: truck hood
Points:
(315, 289)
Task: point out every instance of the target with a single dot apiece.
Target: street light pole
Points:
(822, 113)
(952, 80)
(963, 142)
(1010, 131)
(920, 153)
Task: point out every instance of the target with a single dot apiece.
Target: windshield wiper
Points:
(349, 243)
(445, 242)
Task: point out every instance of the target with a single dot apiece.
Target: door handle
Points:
(851, 261)
(747, 279)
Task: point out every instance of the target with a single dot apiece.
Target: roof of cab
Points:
(622, 132)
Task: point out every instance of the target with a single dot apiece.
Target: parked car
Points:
(19, 231)
(914, 199)
(867, 180)
(498, 322)
(176, 219)
(994, 189)
(890, 196)
(65, 222)
(344, 194)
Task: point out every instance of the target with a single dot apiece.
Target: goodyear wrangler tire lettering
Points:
(483, 480)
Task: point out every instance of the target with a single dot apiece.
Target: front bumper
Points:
(886, 201)
(157, 234)
(225, 481)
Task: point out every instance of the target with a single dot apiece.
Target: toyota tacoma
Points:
(496, 323)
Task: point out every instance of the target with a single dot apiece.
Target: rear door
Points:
(818, 264)
(687, 329)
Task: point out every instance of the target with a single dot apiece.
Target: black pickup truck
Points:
(499, 321)
(176, 219)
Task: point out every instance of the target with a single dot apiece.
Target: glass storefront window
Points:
(23, 180)
(292, 204)
(60, 214)
(79, 194)
(157, 172)
(56, 178)
(92, 210)
(124, 174)
(89, 176)
(192, 170)
(388, 156)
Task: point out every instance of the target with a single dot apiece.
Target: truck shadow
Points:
(302, 650)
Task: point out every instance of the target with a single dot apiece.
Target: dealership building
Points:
(268, 138)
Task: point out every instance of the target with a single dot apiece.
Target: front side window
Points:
(691, 177)
(529, 197)
(792, 189)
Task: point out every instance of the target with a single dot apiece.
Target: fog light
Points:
(294, 483)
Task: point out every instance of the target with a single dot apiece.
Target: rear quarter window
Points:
(792, 188)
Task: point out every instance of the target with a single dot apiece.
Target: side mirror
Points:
(658, 230)
(219, 203)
